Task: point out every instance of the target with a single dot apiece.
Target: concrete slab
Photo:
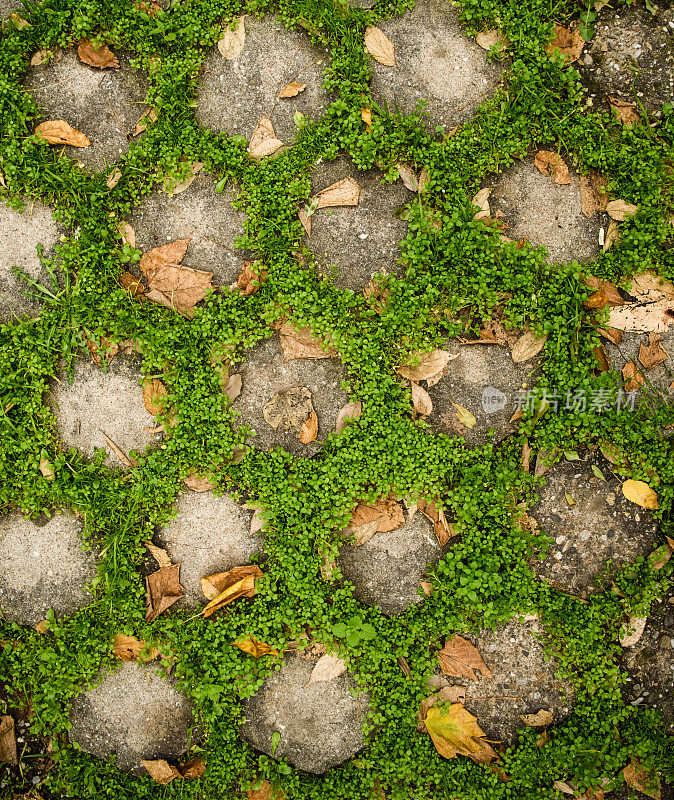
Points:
(42, 567)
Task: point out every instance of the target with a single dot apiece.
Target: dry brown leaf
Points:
(302, 344)
(552, 164)
(254, 647)
(408, 177)
(249, 279)
(128, 648)
(566, 41)
(345, 192)
(99, 56)
(527, 346)
(146, 118)
(161, 771)
(232, 388)
(465, 417)
(619, 210)
(624, 111)
(305, 219)
(8, 750)
(131, 284)
(379, 46)
(328, 667)
(426, 587)
(525, 455)
(163, 589)
(366, 116)
(653, 354)
(233, 38)
(637, 777)
(459, 658)
(127, 233)
(102, 350)
(180, 187)
(648, 287)
(121, 455)
(309, 429)
(154, 393)
(421, 400)
(612, 334)
(40, 57)
(159, 554)
(257, 521)
(113, 179)
(351, 411)
(263, 141)
(455, 731)
(633, 376)
(58, 131)
(612, 235)
(424, 177)
(653, 317)
(289, 409)
(632, 631)
(492, 38)
(602, 358)
(265, 792)
(47, 469)
(541, 719)
(292, 89)
(224, 587)
(171, 253)
(640, 493)
(560, 786)
(427, 367)
(193, 769)
(481, 200)
(177, 287)
(388, 514)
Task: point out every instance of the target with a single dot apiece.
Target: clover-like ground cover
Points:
(382, 390)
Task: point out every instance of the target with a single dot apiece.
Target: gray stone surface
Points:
(103, 104)
(386, 570)
(234, 94)
(602, 526)
(435, 61)
(353, 242)
(474, 380)
(523, 681)
(650, 663)
(22, 233)
(42, 567)
(209, 534)
(320, 723)
(265, 373)
(545, 213)
(658, 379)
(135, 713)
(97, 402)
(631, 56)
(203, 215)
(7, 6)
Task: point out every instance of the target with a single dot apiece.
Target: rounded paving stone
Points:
(265, 374)
(209, 534)
(487, 382)
(523, 680)
(386, 570)
(199, 213)
(42, 567)
(437, 62)
(7, 6)
(233, 95)
(545, 213)
(98, 402)
(659, 378)
(103, 104)
(351, 243)
(603, 526)
(320, 723)
(631, 56)
(22, 233)
(134, 713)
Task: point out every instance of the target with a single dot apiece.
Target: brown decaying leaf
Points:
(366, 116)
(180, 187)
(8, 750)
(159, 554)
(328, 667)
(154, 393)
(170, 283)
(633, 376)
(525, 455)
(309, 429)
(606, 293)
(249, 279)
(263, 141)
(379, 46)
(387, 513)
(632, 631)
(127, 233)
(265, 792)
(612, 334)
(481, 200)
(527, 346)
(40, 57)
(541, 719)
(426, 587)
(443, 529)
(163, 589)
(408, 177)
(566, 41)
(492, 38)
(454, 731)
(421, 400)
(146, 118)
(459, 658)
(254, 647)
(549, 163)
(302, 344)
(58, 131)
(345, 192)
(233, 38)
(425, 366)
(99, 56)
(113, 178)
(404, 666)
(131, 284)
(624, 111)
(619, 210)
(289, 409)
(637, 777)
(653, 317)
(305, 219)
(653, 354)
(128, 648)
(593, 193)
(46, 469)
(171, 253)
(292, 89)
(102, 350)
(121, 455)
(224, 587)
(163, 773)
(232, 389)
(640, 493)
(648, 287)
(347, 413)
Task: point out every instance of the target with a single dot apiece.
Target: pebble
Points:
(665, 642)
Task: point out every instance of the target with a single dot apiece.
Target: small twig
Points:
(119, 121)
(119, 453)
(215, 241)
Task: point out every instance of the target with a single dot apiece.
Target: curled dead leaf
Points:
(633, 376)
(232, 388)
(254, 647)
(40, 57)
(170, 283)
(178, 188)
(113, 178)
(652, 354)
(408, 177)
(146, 118)
(305, 219)
(131, 284)
(640, 493)
(58, 131)
(161, 771)
(99, 56)
(553, 165)
(224, 587)
(163, 589)
(388, 514)
(292, 89)
(379, 46)
(492, 38)
(250, 278)
(47, 469)
(481, 200)
(344, 192)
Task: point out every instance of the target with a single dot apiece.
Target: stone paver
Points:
(484, 380)
(265, 373)
(435, 61)
(98, 402)
(200, 214)
(103, 104)
(630, 56)
(601, 526)
(657, 379)
(320, 723)
(7, 6)
(209, 534)
(545, 213)
(353, 242)
(386, 570)
(234, 94)
(135, 714)
(22, 233)
(523, 681)
(42, 567)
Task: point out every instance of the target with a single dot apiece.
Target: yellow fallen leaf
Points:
(465, 416)
(292, 89)
(58, 131)
(455, 731)
(254, 647)
(233, 38)
(379, 46)
(640, 493)
(224, 587)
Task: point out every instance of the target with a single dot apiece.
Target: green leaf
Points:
(275, 741)
(220, 185)
(339, 629)
(571, 455)
(598, 472)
